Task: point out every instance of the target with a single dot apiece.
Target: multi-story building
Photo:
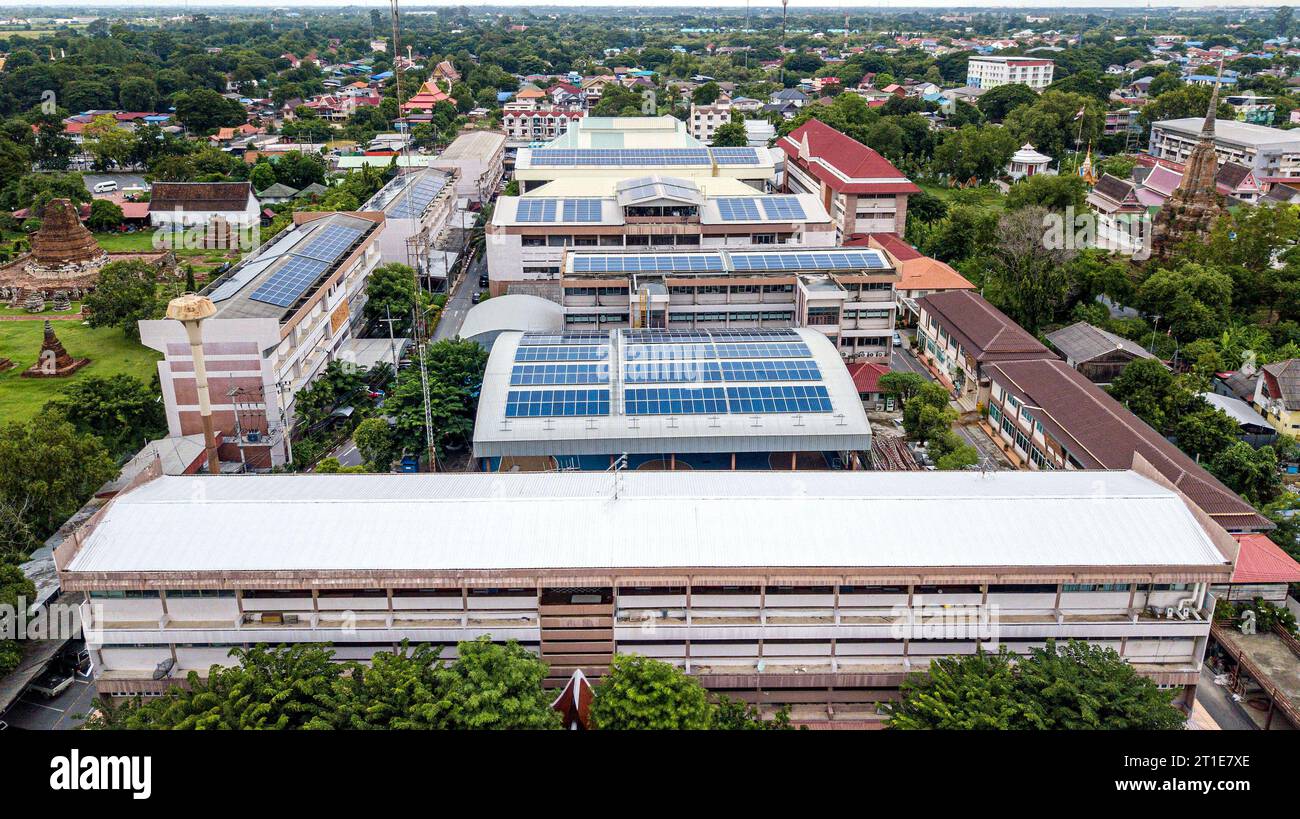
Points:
(749, 581)
(705, 119)
(479, 157)
(958, 333)
(919, 275)
(417, 207)
(1047, 415)
(707, 399)
(535, 125)
(625, 147)
(529, 235)
(845, 293)
(863, 192)
(1270, 152)
(282, 314)
(989, 72)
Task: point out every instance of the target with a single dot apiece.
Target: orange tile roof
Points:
(1263, 561)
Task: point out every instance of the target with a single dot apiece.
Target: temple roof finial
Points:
(1207, 130)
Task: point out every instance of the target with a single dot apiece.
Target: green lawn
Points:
(986, 197)
(141, 241)
(110, 352)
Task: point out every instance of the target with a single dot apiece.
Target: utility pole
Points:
(785, 8)
(392, 340)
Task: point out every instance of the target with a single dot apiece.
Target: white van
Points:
(106, 187)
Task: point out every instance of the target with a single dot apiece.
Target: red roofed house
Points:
(866, 379)
(920, 275)
(1263, 570)
(863, 191)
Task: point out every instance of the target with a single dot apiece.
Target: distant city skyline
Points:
(754, 5)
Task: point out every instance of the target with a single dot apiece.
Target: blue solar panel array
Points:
(661, 372)
(738, 209)
(778, 399)
(783, 207)
(771, 371)
(305, 263)
(419, 195)
(565, 337)
(665, 263)
(290, 281)
(674, 401)
(536, 210)
(808, 260)
(746, 350)
(558, 210)
(572, 352)
(556, 403)
(531, 375)
(617, 157)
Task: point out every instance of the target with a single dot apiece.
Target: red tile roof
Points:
(1263, 561)
(897, 248)
(843, 163)
(866, 375)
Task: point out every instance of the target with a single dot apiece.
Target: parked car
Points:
(898, 339)
(51, 684)
(483, 280)
(477, 297)
(106, 187)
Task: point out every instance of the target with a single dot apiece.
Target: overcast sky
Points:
(857, 9)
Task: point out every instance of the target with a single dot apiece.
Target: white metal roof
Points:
(845, 428)
(1235, 408)
(515, 311)
(1242, 133)
(663, 519)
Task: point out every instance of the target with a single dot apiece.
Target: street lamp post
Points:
(190, 310)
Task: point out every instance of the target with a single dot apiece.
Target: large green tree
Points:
(48, 469)
(121, 410)
(640, 693)
(125, 295)
(1078, 686)
(455, 373)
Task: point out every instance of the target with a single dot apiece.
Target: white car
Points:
(106, 187)
(898, 339)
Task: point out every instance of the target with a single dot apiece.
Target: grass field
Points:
(987, 197)
(110, 352)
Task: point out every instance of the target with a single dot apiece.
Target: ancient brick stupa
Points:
(65, 256)
(1195, 204)
(54, 361)
(62, 239)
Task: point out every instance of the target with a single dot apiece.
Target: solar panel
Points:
(329, 243)
(664, 352)
(798, 398)
(567, 353)
(674, 401)
(738, 209)
(536, 210)
(777, 334)
(529, 375)
(652, 263)
(657, 336)
(556, 403)
(782, 207)
(582, 210)
(735, 156)
(810, 260)
(617, 157)
(771, 371)
(566, 337)
(760, 350)
(419, 195)
(659, 372)
(290, 281)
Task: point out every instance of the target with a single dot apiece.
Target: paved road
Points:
(347, 453)
(459, 303)
(63, 713)
(903, 360)
(124, 180)
(1216, 700)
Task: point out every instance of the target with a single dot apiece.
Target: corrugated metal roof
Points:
(716, 519)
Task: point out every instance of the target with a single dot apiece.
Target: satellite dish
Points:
(164, 669)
